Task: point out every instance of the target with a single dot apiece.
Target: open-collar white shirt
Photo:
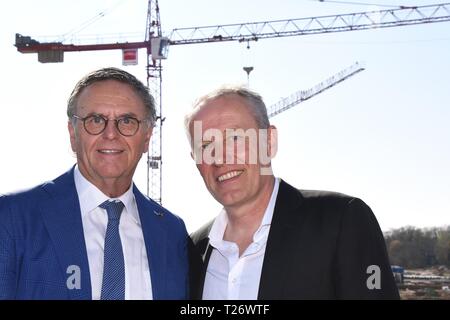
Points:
(228, 276)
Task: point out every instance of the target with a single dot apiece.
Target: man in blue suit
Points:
(90, 233)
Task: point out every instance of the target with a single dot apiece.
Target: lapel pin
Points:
(159, 214)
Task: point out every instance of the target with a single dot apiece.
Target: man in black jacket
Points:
(272, 241)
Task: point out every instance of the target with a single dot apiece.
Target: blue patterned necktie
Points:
(113, 284)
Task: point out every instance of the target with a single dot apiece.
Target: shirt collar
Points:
(220, 223)
(268, 214)
(91, 197)
(218, 229)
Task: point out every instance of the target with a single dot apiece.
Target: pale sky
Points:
(382, 135)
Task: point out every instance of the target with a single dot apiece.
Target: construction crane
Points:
(303, 95)
(157, 46)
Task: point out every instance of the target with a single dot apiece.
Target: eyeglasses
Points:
(95, 124)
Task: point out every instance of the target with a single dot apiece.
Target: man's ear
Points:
(72, 135)
(195, 155)
(272, 141)
(148, 136)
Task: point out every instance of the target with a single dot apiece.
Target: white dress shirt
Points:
(137, 274)
(228, 276)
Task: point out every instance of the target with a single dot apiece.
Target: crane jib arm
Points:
(252, 31)
(25, 44)
(402, 16)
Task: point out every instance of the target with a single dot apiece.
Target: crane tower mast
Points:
(154, 83)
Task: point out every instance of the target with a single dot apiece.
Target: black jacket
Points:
(320, 246)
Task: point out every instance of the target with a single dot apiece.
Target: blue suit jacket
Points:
(41, 236)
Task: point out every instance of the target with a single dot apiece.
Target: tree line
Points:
(412, 247)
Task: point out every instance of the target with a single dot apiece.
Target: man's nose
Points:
(223, 155)
(219, 161)
(111, 131)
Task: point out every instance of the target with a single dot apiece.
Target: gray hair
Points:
(118, 75)
(253, 100)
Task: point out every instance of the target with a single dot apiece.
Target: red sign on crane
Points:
(129, 57)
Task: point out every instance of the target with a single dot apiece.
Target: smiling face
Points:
(108, 160)
(232, 183)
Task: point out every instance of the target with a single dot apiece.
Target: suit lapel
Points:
(206, 254)
(285, 225)
(155, 237)
(201, 240)
(62, 217)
